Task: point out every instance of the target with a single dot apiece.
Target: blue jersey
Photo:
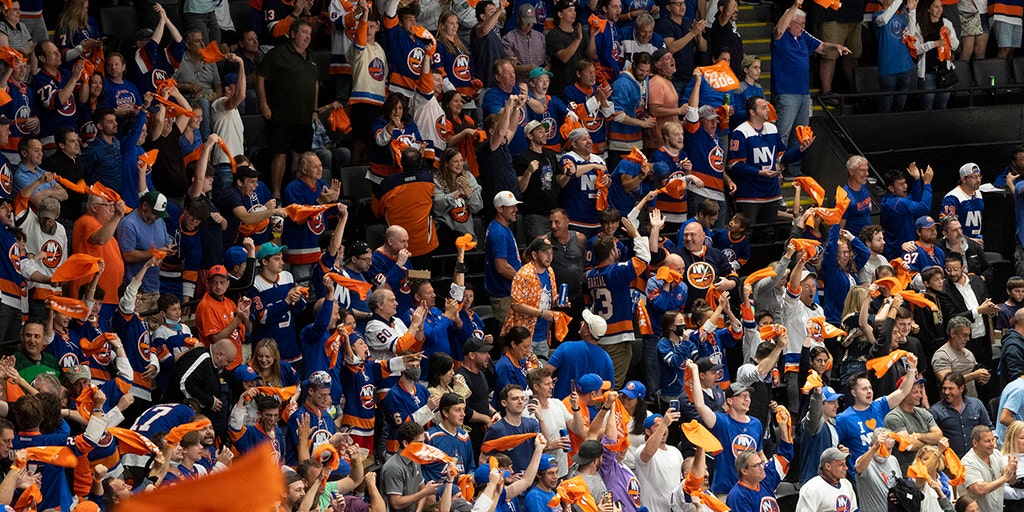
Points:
(162, 418)
(736, 249)
(321, 428)
(18, 110)
(736, 437)
(272, 315)
(674, 356)
(708, 159)
(53, 114)
(923, 257)
(54, 486)
(629, 98)
(745, 498)
(858, 215)
(360, 382)
(399, 406)
(624, 201)
(855, 427)
(966, 208)
(230, 199)
(579, 195)
(791, 62)
(611, 298)
(893, 54)
(385, 271)
(553, 115)
(591, 262)
(180, 269)
(316, 355)
(898, 214)
(507, 371)
(456, 445)
(248, 437)
(750, 152)
(593, 117)
(405, 54)
(437, 330)
(500, 244)
(456, 67)
(135, 335)
(64, 347)
(303, 240)
(537, 500)
(521, 454)
(711, 343)
(575, 359)
(838, 281)
(674, 210)
(607, 47)
(493, 102)
(660, 301)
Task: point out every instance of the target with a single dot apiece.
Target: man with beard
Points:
(534, 295)
(913, 423)
(925, 253)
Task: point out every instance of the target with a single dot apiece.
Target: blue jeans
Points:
(937, 100)
(897, 82)
(794, 110)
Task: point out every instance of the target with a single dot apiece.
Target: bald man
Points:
(1011, 363)
(197, 376)
(662, 295)
(391, 266)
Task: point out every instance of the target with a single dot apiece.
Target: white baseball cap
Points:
(505, 198)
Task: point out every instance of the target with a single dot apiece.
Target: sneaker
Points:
(829, 99)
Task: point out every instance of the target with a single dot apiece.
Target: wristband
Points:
(575, 409)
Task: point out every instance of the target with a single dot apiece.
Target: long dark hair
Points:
(438, 365)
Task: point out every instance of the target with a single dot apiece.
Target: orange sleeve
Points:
(282, 27)
(407, 341)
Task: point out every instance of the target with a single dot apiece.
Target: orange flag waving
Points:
(881, 365)
(506, 443)
(811, 187)
(300, 213)
(918, 299)
(842, 199)
(668, 275)
(561, 325)
(55, 455)
(422, 453)
(720, 76)
(465, 242)
(602, 190)
(764, 273)
(11, 56)
(284, 394)
(810, 247)
(97, 345)
(227, 152)
(675, 188)
(77, 266)
(130, 441)
(176, 433)
(231, 490)
(173, 109)
(813, 382)
(86, 400)
(954, 466)
(831, 216)
(67, 306)
(212, 53)
(702, 437)
(889, 283)
(355, 285)
(79, 187)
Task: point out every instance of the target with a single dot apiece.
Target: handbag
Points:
(945, 76)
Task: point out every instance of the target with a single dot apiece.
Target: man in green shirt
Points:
(29, 359)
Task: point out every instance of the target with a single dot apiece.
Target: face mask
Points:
(168, 321)
(679, 330)
(412, 373)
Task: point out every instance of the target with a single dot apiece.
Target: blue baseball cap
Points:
(592, 382)
(547, 462)
(344, 468)
(649, 422)
(828, 394)
(245, 373)
(924, 222)
(235, 256)
(634, 389)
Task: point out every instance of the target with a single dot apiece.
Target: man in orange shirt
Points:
(218, 317)
(93, 234)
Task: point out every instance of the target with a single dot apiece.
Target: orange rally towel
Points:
(73, 308)
(355, 285)
(770, 331)
(700, 436)
(918, 299)
(561, 325)
(157, 253)
(284, 394)
(11, 56)
(97, 345)
(77, 266)
(55, 455)
(465, 242)
(328, 456)
(176, 433)
(881, 365)
(810, 247)
(166, 83)
(954, 467)
(720, 76)
(340, 121)
(5, 98)
(212, 53)
(422, 453)
(668, 275)
(945, 52)
(130, 441)
(811, 187)
(32, 495)
(842, 199)
(890, 283)
(804, 134)
(813, 382)
(823, 328)
(227, 152)
(300, 213)
(173, 109)
(675, 188)
(831, 216)
(764, 273)
(602, 191)
(231, 490)
(506, 443)
(86, 401)
(79, 187)
(149, 157)
(918, 470)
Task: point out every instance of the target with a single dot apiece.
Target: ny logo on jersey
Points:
(763, 155)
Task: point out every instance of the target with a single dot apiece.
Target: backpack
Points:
(905, 496)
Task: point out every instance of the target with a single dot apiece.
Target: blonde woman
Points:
(77, 33)
(936, 488)
(1013, 445)
(266, 360)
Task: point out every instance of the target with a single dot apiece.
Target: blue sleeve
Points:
(136, 130)
(788, 155)
(738, 158)
(724, 337)
(492, 104)
(861, 253)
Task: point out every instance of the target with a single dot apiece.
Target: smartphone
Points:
(572, 385)
(674, 404)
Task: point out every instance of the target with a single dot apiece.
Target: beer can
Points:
(563, 295)
(564, 433)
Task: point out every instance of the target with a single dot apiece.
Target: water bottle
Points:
(563, 295)
(564, 433)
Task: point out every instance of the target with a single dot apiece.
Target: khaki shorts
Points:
(846, 34)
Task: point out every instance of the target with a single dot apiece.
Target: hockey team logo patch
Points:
(701, 275)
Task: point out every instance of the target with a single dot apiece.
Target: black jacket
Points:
(195, 377)
(975, 256)
(1011, 362)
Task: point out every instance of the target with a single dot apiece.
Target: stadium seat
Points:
(1018, 70)
(998, 69)
(357, 190)
(375, 234)
(865, 79)
(119, 22)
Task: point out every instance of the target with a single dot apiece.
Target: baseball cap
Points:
(831, 455)
(807, 273)
(156, 200)
(562, 5)
(76, 372)
(218, 270)
(505, 198)
(4, 120)
(320, 379)
(539, 71)
(651, 421)
(924, 222)
(269, 249)
(634, 389)
(541, 243)
(968, 169)
(533, 125)
(527, 15)
(577, 134)
(450, 399)
(475, 343)
(598, 326)
(547, 462)
(658, 54)
(705, 364)
(245, 373)
(245, 171)
(590, 450)
(234, 256)
(899, 382)
(356, 248)
(828, 394)
(707, 112)
(229, 79)
(735, 388)
(49, 208)
(592, 382)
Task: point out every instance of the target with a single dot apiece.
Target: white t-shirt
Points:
(228, 125)
(555, 418)
(659, 476)
(817, 495)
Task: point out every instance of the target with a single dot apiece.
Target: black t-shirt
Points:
(496, 173)
(564, 73)
(477, 384)
(169, 171)
(61, 164)
(542, 188)
(211, 237)
(726, 36)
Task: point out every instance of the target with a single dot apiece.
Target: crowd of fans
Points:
(169, 306)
